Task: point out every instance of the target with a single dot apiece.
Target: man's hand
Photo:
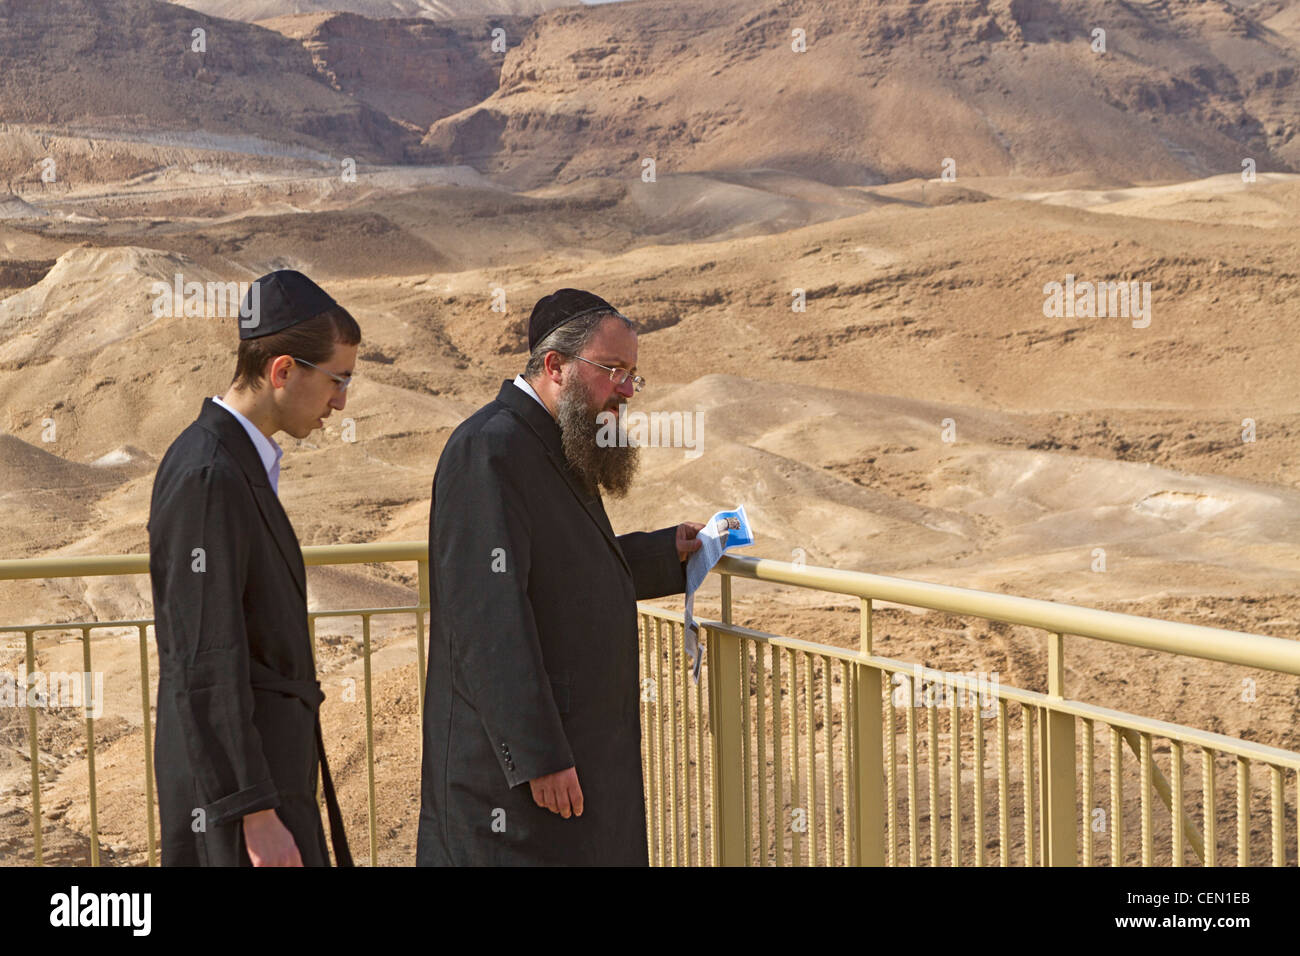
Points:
(558, 792)
(687, 540)
(269, 841)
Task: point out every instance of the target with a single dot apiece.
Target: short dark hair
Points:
(569, 339)
(312, 341)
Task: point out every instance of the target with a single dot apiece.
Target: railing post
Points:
(725, 700)
(868, 767)
(1061, 811)
(868, 753)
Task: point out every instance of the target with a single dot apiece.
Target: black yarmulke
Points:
(284, 298)
(561, 306)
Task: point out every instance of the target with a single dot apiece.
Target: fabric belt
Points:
(309, 692)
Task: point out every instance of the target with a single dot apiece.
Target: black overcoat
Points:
(533, 654)
(238, 697)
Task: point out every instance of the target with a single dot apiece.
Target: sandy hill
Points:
(884, 92)
(129, 66)
(892, 307)
(416, 71)
(887, 90)
(1280, 16)
(417, 220)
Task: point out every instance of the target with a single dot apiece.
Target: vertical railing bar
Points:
(827, 722)
(954, 733)
(146, 719)
(1243, 811)
(90, 753)
(760, 716)
(978, 732)
(647, 749)
(1040, 721)
(34, 747)
(661, 776)
(701, 755)
(1027, 755)
(1116, 798)
(1176, 800)
(1004, 786)
(725, 599)
(674, 667)
(1279, 817)
(932, 725)
(1145, 760)
(746, 748)
(796, 843)
(846, 737)
(868, 765)
(1208, 795)
(810, 719)
(780, 816)
(913, 810)
(371, 803)
(1088, 785)
(686, 753)
(891, 780)
(726, 701)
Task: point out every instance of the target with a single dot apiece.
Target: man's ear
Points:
(553, 365)
(277, 371)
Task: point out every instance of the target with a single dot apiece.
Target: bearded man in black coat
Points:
(238, 738)
(532, 730)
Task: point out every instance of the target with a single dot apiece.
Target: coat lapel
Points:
(236, 441)
(539, 420)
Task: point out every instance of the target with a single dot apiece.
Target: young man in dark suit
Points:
(532, 733)
(238, 736)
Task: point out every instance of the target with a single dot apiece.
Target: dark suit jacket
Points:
(236, 724)
(532, 650)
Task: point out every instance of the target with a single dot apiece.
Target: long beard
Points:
(610, 468)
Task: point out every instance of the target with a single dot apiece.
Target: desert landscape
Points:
(838, 256)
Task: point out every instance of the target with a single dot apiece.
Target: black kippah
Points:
(278, 301)
(564, 305)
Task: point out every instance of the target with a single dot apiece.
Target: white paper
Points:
(724, 530)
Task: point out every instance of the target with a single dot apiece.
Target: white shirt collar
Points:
(267, 450)
(521, 383)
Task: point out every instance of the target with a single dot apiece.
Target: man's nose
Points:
(339, 400)
(627, 389)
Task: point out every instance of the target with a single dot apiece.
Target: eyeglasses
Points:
(616, 375)
(340, 382)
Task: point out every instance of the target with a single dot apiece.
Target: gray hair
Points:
(569, 339)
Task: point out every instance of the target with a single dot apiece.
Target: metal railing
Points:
(788, 751)
(98, 565)
(802, 740)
